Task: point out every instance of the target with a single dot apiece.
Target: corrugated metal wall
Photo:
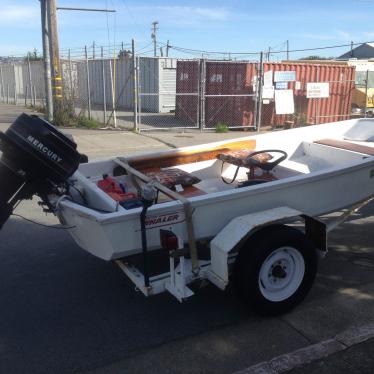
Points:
(20, 81)
(37, 78)
(334, 108)
(81, 95)
(229, 79)
(8, 81)
(225, 78)
(17, 78)
(155, 75)
(167, 84)
(149, 83)
(69, 77)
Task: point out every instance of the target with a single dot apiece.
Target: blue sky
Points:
(236, 25)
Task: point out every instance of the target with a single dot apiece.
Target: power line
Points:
(145, 52)
(200, 51)
(77, 51)
(148, 45)
(323, 48)
(183, 49)
(87, 9)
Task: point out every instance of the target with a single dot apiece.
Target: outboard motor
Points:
(37, 159)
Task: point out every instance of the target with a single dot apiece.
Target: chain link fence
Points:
(152, 93)
(168, 93)
(229, 94)
(306, 94)
(194, 93)
(22, 83)
(102, 90)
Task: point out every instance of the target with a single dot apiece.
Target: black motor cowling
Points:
(36, 159)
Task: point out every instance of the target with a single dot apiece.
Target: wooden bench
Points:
(342, 144)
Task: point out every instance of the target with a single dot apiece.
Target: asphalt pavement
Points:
(64, 311)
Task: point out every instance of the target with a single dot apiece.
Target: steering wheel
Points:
(269, 165)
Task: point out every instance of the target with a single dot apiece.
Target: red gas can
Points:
(114, 190)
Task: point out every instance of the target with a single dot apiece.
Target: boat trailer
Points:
(184, 265)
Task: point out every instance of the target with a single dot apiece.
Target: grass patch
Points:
(87, 123)
(222, 127)
(65, 116)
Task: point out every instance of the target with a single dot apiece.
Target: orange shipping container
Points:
(336, 107)
(226, 79)
(236, 78)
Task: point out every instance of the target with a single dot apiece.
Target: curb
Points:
(303, 356)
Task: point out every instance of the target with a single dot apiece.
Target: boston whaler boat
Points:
(216, 212)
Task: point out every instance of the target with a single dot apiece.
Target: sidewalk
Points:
(358, 359)
(99, 144)
(351, 351)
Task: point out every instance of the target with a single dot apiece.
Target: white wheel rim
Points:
(281, 274)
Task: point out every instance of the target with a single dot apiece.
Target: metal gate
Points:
(168, 95)
(229, 92)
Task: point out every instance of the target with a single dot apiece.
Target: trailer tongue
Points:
(36, 159)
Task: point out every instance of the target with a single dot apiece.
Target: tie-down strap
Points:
(176, 196)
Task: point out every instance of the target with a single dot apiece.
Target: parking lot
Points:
(65, 311)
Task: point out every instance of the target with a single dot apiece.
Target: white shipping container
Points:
(157, 83)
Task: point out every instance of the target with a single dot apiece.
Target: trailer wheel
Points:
(275, 270)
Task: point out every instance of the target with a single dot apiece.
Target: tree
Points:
(124, 54)
(34, 55)
(315, 57)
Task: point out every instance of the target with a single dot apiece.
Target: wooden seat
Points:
(192, 191)
(343, 144)
(187, 192)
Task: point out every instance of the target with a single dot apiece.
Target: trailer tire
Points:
(275, 270)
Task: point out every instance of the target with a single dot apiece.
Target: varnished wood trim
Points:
(186, 157)
(342, 144)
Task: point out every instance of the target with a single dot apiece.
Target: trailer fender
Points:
(238, 230)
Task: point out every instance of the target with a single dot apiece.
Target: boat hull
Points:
(313, 194)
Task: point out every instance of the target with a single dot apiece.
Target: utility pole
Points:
(135, 84)
(54, 55)
(154, 37)
(288, 49)
(352, 49)
(51, 55)
(167, 48)
(46, 60)
(269, 50)
(260, 83)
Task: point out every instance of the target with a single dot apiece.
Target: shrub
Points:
(83, 121)
(222, 127)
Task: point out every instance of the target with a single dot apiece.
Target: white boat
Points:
(327, 168)
(315, 178)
